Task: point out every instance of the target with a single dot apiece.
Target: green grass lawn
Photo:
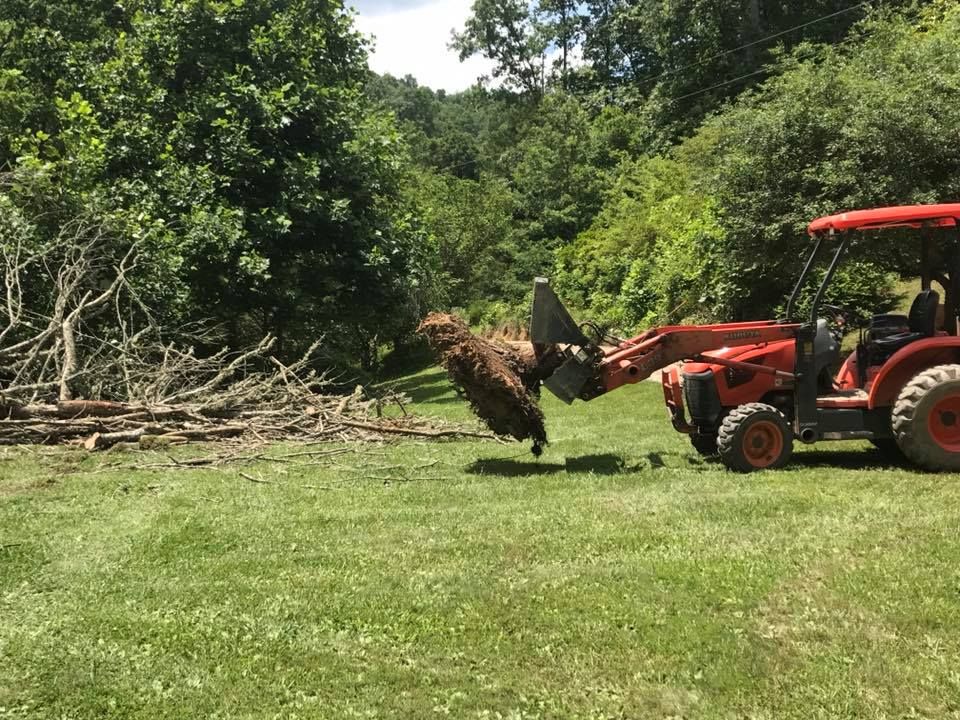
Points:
(619, 576)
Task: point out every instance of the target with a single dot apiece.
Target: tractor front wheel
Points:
(926, 418)
(755, 437)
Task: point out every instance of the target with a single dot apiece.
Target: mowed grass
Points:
(620, 576)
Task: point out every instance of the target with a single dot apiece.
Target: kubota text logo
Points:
(742, 335)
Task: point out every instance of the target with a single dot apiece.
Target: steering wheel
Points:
(842, 319)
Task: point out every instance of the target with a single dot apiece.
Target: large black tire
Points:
(926, 418)
(754, 437)
(706, 445)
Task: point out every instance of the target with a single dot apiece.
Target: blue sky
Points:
(411, 37)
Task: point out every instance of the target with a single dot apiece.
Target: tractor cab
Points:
(933, 311)
(871, 395)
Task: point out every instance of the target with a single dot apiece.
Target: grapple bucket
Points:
(550, 322)
(559, 342)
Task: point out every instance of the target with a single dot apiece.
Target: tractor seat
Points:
(882, 326)
(922, 322)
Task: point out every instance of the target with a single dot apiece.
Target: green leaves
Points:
(642, 260)
(242, 127)
(716, 228)
(859, 126)
(507, 32)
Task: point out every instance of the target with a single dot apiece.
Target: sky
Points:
(411, 38)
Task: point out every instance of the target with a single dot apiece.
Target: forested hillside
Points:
(670, 173)
(659, 160)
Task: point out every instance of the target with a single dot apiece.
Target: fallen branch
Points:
(85, 363)
(252, 479)
(393, 430)
(260, 408)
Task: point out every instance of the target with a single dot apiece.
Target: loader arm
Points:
(580, 368)
(637, 359)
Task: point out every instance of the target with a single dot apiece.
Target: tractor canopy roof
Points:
(915, 216)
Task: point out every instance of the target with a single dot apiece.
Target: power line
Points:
(711, 58)
(753, 43)
(718, 85)
(468, 163)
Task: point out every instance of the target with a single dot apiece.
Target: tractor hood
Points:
(777, 354)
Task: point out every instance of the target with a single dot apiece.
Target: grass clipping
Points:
(500, 381)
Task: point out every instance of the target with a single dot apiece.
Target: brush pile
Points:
(82, 361)
(190, 399)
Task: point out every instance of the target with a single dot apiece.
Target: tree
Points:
(471, 222)
(853, 126)
(685, 58)
(716, 224)
(236, 140)
(462, 134)
(561, 23)
(559, 188)
(506, 32)
(601, 48)
(641, 261)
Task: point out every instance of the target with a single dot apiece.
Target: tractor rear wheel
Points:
(753, 437)
(926, 418)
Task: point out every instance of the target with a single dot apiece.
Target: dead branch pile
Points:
(82, 361)
(291, 402)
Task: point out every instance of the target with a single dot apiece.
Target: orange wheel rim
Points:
(762, 443)
(944, 423)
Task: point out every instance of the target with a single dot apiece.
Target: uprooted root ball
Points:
(499, 381)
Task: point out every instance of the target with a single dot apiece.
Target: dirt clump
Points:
(501, 381)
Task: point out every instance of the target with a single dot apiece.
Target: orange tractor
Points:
(745, 391)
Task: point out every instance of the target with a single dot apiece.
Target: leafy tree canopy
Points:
(717, 225)
(234, 138)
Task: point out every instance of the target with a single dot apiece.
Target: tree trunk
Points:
(565, 39)
(752, 30)
(69, 359)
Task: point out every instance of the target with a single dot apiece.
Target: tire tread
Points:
(727, 442)
(904, 418)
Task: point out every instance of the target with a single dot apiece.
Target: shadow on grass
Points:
(434, 394)
(850, 460)
(432, 388)
(606, 464)
(656, 460)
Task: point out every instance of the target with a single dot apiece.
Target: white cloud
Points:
(414, 42)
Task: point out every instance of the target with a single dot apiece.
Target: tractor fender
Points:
(907, 362)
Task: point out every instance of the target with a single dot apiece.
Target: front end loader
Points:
(746, 391)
